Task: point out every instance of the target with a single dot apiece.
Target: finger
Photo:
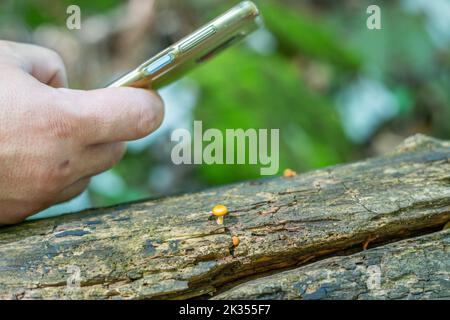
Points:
(99, 158)
(115, 114)
(19, 211)
(72, 191)
(44, 64)
(14, 211)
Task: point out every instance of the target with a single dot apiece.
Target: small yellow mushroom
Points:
(288, 173)
(220, 211)
(235, 240)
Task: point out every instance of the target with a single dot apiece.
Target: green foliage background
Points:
(322, 48)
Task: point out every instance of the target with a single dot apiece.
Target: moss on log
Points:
(173, 248)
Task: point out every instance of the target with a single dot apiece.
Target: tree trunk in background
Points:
(303, 237)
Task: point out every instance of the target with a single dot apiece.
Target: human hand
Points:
(53, 139)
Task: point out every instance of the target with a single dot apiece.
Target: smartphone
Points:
(195, 49)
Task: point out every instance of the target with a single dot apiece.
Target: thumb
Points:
(115, 114)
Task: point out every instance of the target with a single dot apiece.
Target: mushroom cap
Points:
(235, 241)
(219, 210)
(289, 173)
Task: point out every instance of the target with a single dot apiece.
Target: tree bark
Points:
(173, 248)
(417, 268)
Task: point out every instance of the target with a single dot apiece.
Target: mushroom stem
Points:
(220, 220)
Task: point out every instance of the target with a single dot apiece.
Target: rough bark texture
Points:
(417, 268)
(173, 248)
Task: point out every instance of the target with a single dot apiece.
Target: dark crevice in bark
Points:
(304, 261)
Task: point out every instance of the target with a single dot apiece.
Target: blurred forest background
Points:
(337, 91)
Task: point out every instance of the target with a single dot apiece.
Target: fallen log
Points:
(172, 248)
(417, 268)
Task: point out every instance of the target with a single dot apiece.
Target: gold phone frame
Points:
(172, 63)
